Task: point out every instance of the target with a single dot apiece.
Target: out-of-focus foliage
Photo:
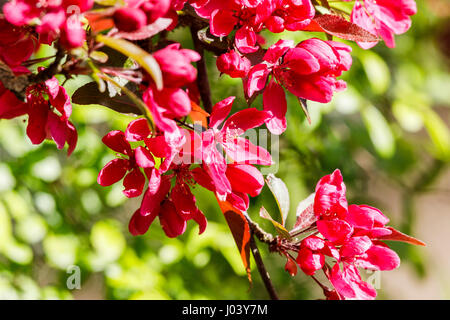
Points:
(392, 121)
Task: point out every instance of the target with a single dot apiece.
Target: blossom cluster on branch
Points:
(176, 145)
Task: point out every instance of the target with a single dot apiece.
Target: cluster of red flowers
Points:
(56, 19)
(351, 235)
(172, 157)
(176, 152)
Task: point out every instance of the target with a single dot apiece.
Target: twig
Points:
(262, 235)
(19, 84)
(262, 269)
(202, 76)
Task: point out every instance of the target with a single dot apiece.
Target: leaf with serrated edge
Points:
(142, 57)
(263, 213)
(305, 214)
(281, 194)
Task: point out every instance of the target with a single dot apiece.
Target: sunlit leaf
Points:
(281, 194)
(263, 213)
(99, 56)
(142, 57)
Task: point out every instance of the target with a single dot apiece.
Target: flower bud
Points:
(155, 9)
(233, 64)
(129, 19)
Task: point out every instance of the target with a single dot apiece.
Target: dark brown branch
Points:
(19, 84)
(262, 269)
(209, 42)
(202, 76)
(49, 72)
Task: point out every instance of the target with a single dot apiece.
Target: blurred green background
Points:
(388, 133)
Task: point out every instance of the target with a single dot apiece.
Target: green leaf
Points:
(99, 56)
(281, 194)
(142, 57)
(263, 213)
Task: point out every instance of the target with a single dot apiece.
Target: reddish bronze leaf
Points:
(241, 232)
(89, 94)
(305, 214)
(399, 236)
(100, 21)
(147, 31)
(341, 28)
(198, 114)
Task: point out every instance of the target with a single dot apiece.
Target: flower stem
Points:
(262, 269)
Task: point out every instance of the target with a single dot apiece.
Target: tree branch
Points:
(216, 45)
(19, 84)
(202, 76)
(262, 235)
(262, 269)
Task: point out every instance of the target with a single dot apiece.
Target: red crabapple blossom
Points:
(384, 18)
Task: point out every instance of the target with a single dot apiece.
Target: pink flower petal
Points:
(349, 285)
(242, 151)
(58, 129)
(112, 172)
(116, 141)
(144, 158)
(245, 119)
(134, 183)
(355, 246)
(222, 22)
(172, 222)
(139, 224)
(157, 190)
(309, 261)
(137, 130)
(245, 178)
(220, 111)
(257, 79)
(379, 258)
(274, 102)
(334, 230)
